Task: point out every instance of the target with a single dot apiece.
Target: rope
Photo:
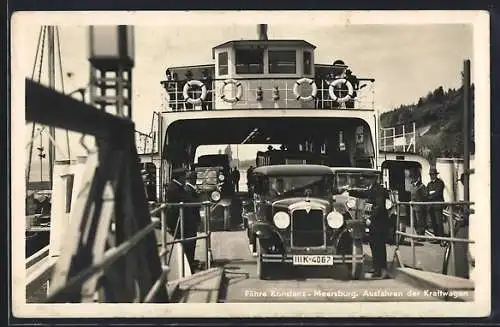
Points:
(62, 82)
(37, 51)
(41, 37)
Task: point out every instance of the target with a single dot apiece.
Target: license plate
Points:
(313, 260)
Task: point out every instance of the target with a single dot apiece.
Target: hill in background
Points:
(438, 121)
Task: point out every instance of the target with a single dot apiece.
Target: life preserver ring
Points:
(313, 92)
(239, 91)
(350, 90)
(186, 88)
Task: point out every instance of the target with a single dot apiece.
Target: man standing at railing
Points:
(207, 80)
(435, 190)
(418, 194)
(175, 193)
(192, 218)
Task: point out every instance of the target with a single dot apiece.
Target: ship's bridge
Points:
(265, 73)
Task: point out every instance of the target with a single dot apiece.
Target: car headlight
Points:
(335, 219)
(215, 196)
(388, 204)
(221, 177)
(281, 220)
(351, 203)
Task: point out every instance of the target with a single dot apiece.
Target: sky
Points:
(407, 61)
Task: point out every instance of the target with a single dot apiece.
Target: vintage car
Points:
(295, 221)
(350, 186)
(225, 210)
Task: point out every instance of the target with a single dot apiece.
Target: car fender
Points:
(356, 228)
(224, 202)
(343, 239)
(262, 230)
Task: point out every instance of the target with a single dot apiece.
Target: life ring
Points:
(239, 91)
(186, 88)
(313, 92)
(350, 90)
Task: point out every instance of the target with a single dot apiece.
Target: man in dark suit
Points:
(418, 194)
(175, 193)
(379, 227)
(192, 218)
(235, 175)
(250, 181)
(435, 190)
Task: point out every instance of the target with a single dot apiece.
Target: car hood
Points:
(299, 202)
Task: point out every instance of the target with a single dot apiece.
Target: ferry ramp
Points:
(237, 280)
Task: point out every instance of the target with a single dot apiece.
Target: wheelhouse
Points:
(269, 92)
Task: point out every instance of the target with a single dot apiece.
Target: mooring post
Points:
(461, 249)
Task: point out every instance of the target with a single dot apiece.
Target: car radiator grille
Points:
(307, 228)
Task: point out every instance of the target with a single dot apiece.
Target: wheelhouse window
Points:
(307, 64)
(282, 62)
(223, 63)
(250, 61)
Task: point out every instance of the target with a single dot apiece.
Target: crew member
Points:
(418, 193)
(353, 79)
(175, 193)
(250, 181)
(435, 190)
(379, 227)
(235, 176)
(207, 80)
(192, 219)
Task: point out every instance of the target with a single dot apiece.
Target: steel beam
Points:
(49, 107)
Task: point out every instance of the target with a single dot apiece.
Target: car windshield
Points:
(206, 176)
(354, 180)
(314, 186)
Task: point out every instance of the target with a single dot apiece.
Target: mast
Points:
(52, 82)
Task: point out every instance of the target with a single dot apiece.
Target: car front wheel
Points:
(262, 267)
(356, 268)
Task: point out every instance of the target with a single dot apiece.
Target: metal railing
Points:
(275, 93)
(398, 138)
(453, 216)
(180, 226)
(40, 266)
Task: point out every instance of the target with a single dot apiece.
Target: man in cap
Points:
(379, 227)
(192, 217)
(175, 193)
(235, 176)
(250, 181)
(435, 190)
(418, 193)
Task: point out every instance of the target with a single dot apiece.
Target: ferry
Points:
(272, 92)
